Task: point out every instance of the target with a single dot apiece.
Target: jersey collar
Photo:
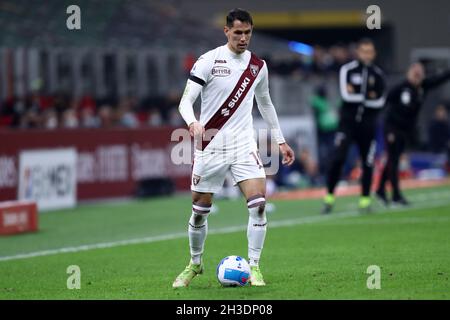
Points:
(234, 55)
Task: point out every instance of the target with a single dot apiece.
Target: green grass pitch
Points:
(306, 255)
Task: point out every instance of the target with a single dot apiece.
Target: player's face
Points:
(366, 53)
(416, 73)
(238, 36)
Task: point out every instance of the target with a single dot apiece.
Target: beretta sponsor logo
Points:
(220, 71)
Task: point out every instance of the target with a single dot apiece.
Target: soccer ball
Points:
(233, 271)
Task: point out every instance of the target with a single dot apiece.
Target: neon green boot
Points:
(365, 204)
(256, 277)
(328, 203)
(189, 273)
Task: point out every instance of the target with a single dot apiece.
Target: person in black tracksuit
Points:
(404, 102)
(362, 87)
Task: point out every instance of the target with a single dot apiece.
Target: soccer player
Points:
(228, 78)
(404, 102)
(362, 88)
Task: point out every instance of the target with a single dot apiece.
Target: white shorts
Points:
(209, 169)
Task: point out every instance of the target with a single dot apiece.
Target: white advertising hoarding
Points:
(299, 131)
(48, 176)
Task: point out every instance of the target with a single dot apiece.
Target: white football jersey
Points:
(229, 82)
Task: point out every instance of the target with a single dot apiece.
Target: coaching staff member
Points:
(403, 106)
(362, 88)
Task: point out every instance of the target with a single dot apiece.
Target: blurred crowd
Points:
(323, 61)
(63, 111)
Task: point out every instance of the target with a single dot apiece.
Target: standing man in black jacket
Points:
(404, 103)
(362, 87)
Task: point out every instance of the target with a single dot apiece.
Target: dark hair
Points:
(365, 41)
(238, 14)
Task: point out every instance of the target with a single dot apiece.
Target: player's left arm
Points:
(436, 80)
(267, 110)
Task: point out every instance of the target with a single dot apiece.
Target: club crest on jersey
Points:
(254, 69)
(195, 179)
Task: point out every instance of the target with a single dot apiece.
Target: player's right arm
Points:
(186, 108)
(197, 79)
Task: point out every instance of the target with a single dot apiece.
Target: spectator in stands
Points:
(326, 125)
(28, 110)
(30, 119)
(88, 119)
(17, 108)
(50, 119)
(34, 102)
(155, 118)
(87, 102)
(126, 115)
(322, 60)
(340, 56)
(61, 102)
(439, 130)
(69, 119)
(106, 116)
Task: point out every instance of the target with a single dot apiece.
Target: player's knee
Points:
(200, 212)
(256, 205)
(202, 198)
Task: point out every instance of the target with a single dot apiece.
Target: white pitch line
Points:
(403, 220)
(273, 224)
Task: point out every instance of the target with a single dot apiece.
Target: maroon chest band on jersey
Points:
(234, 100)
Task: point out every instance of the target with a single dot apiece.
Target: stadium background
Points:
(110, 92)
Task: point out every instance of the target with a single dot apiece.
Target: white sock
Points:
(197, 230)
(256, 229)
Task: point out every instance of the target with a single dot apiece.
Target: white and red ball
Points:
(233, 271)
